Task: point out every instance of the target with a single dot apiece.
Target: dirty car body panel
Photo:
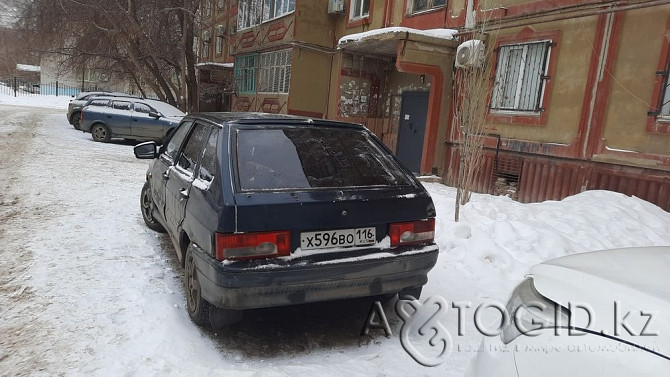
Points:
(311, 181)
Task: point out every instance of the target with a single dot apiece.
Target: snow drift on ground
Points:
(50, 102)
(97, 293)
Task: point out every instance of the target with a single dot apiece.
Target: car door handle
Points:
(183, 193)
(109, 116)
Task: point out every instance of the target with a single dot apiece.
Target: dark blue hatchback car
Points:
(267, 210)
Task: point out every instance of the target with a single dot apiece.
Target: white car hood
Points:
(638, 279)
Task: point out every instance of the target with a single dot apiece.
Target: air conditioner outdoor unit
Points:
(104, 77)
(335, 6)
(470, 54)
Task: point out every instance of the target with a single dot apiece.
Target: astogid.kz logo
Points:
(422, 325)
(429, 342)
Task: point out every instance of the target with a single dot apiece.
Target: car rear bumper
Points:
(299, 282)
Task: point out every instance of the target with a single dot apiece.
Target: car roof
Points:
(254, 118)
(108, 94)
(107, 97)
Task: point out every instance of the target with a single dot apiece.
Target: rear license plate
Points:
(337, 238)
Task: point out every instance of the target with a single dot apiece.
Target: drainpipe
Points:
(604, 50)
(470, 15)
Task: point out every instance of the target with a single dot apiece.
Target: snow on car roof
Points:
(164, 108)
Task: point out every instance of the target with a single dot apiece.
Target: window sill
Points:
(358, 21)
(516, 113)
(278, 17)
(246, 28)
(427, 11)
(529, 118)
(658, 125)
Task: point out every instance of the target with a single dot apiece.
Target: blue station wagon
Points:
(129, 118)
(275, 210)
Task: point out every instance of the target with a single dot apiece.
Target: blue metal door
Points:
(414, 111)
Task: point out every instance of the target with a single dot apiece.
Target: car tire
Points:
(100, 133)
(75, 120)
(147, 207)
(198, 307)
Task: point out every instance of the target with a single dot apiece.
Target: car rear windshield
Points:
(313, 158)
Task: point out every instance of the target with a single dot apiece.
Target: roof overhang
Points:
(385, 41)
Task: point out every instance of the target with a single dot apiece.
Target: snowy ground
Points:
(51, 102)
(86, 289)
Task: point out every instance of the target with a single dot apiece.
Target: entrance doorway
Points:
(413, 114)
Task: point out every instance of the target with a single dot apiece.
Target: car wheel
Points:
(75, 120)
(198, 308)
(100, 133)
(147, 206)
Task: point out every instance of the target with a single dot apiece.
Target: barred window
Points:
(245, 73)
(423, 5)
(359, 9)
(521, 77)
(206, 39)
(275, 71)
(276, 8)
(248, 13)
(665, 94)
(220, 31)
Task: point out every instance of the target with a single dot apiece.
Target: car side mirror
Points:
(146, 151)
(154, 114)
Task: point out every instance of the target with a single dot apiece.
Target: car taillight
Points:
(413, 232)
(252, 245)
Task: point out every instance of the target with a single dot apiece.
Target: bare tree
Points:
(150, 42)
(472, 84)
(14, 46)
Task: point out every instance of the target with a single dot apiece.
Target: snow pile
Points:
(28, 68)
(447, 34)
(497, 240)
(45, 101)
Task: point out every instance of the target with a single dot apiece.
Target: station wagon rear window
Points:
(313, 158)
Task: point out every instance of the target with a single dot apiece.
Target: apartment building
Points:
(578, 95)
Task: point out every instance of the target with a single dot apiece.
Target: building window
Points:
(520, 77)
(233, 27)
(359, 9)
(249, 13)
(276, 8)
(664, 106)
(416, 6)
(658, 116)
(275, 71)
(245, 73)
(220, 31)
(206, 39)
